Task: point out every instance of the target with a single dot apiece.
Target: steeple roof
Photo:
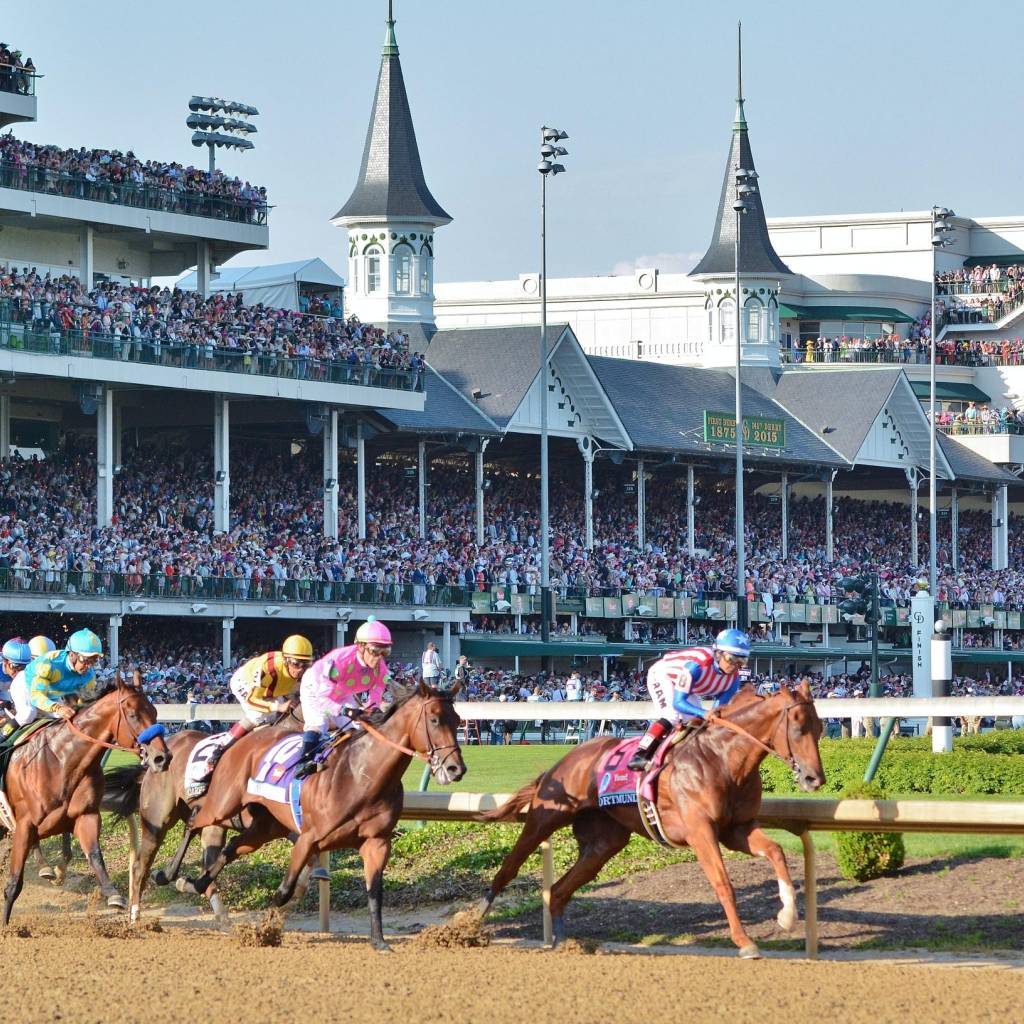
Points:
(757, 254)
(391, 182)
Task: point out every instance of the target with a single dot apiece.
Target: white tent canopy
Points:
(277, 285)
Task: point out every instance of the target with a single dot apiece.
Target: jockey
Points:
(44, 685)
(41, 645)
(16, 655)
(262, 686)
(329, 687)
(680, 678)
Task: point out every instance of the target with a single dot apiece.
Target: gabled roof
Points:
(391, 182)
(662, 407)
(846, 401)
(501, 362)
(969, 465)
(445, 410)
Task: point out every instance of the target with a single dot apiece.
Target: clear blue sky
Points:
(846, 111)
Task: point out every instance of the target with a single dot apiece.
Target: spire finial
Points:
(390, 42)
(741, 119)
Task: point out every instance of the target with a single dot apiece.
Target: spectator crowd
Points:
(16, 71)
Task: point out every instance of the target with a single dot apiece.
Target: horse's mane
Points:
(403, 693)
(107, 689)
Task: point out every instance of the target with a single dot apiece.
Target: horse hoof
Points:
(185, 885)
(787, 920)
(48, 873)
(750, 952)
(59, 874)
(159, 877)
(116, 901)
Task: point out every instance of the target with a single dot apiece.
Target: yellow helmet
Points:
(297, 647)
(41, 645)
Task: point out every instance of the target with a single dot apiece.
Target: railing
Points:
(987, 314)
(1000, 286)
(978, 427)
(53, 181)
(98, 583)
(45, 340)
(910, 355)
(18, 80)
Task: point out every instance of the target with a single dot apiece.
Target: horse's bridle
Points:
(121, 717)
(789, 757)
(432, 758)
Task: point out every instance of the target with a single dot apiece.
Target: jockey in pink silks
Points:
(330, 687)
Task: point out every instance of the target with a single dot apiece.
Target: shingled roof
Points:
(391, 182)
(445, 410)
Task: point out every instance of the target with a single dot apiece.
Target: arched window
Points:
(426, 266)
(402, 258)
(727, 320)
(373, 255)
(752, 321)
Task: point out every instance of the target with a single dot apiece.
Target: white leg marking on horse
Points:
(787, 916)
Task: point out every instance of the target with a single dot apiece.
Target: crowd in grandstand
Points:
(158, 325)
(110, 176)
(16, 71)
(161, 540)
(981, 419)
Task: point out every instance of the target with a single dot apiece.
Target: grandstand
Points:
(222, 466)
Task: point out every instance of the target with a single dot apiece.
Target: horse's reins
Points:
(430, 758)
(121, 717)
(783, 714)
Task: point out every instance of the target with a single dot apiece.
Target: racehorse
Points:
(709, 792)
(55, 780)
(353, 803)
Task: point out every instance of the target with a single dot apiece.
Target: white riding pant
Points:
(660, 687)
(240, 688)
(24, 710)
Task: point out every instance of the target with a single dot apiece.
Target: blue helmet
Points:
(86, 642)
(17, 652)
(733, 641)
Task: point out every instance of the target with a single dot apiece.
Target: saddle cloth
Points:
(196, 768)
(617, 784)
(17, 739)
(275, 776)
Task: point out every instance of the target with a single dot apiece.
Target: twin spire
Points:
(757, 254)
(391, 183)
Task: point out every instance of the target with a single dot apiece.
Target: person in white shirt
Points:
(430, 665)
(573, 687)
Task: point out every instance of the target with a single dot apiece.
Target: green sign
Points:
(759, 431)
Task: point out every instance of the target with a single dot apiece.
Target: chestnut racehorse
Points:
(55, 781)
(708, 793)
(353, 803)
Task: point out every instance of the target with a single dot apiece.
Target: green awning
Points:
(1000, 261)
(948, 392)
(879, 314)
(481, 647)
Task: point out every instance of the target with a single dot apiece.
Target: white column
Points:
(5, 426)
(587, 451)
(954, 524)
(226, 626)
(221, 465)
(117, 434)
(203, 267)
(86, 267)
(829, 546)
(361, 480)
(421, 485)
(331, 474)
(641, 505)
(340, 628)
(114, 640)
(105, 457)
(478, 473)
(446, 644)
(785, 515)
(1004, 527)
(690, 517)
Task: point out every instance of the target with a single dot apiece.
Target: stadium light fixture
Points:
(56, 604)
(419, 615)
(343, 613)
(549, 148)
(220, 124)
(136, 606)
(198, 608)
(272, 609)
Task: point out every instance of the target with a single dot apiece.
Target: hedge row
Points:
(909, 766)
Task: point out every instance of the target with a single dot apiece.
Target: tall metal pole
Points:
(545, 571)
(741, 572)
(932, 511)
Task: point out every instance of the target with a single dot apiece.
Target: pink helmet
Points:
(373, 632)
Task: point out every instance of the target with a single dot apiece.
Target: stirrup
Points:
(306, 769)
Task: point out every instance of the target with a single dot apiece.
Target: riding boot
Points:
(310, 741)
(235, 733)
(656, 732)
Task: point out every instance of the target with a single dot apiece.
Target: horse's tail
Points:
(121, 789)
(511, 808)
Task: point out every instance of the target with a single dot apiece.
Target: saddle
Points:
(17, 739)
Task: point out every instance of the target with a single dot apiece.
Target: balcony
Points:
(17, 95)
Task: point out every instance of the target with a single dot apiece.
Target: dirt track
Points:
(65, 971)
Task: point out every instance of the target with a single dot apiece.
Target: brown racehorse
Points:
(55, 781)
(708, 793)
(354, 803)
